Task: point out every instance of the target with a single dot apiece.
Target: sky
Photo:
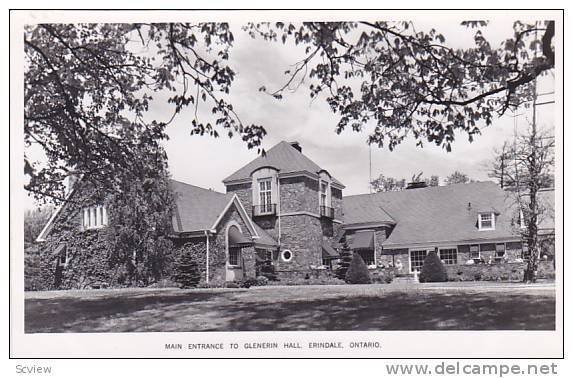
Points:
(205, 161)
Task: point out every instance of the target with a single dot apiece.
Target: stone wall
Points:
(217, 248)
(299, 194)
(302, 235)
(243, 191)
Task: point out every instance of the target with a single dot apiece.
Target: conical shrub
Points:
(433, 269)
(357, 271)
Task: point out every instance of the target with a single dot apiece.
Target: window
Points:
(367, 255)
(63, 255)
(323, 193)
(234, 256)
(94, 217)
(265, 195)
(417, 259)
(486, 221)
(499, 251)
(474, 251)
(449, 256)
(286, 255)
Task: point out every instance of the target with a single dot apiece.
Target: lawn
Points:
(305, 308)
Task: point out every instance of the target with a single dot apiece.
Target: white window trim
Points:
(269, 191)
(479, 252)
(410, 250)
(239, 257)
(446, 248)
(94, 217)
(480, 226)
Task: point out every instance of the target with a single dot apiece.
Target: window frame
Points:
(481, 221)
(478, 252)
(411, 255)
(237, 253)
(266, 207)
(94, 217)
(448, 259)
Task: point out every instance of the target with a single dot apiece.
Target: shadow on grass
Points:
(253, 311)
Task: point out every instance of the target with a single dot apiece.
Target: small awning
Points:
(362, 240)
(328, 252)
(236, 239)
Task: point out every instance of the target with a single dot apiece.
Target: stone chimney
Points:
(296, 145)
(417, 185)
(72, 181)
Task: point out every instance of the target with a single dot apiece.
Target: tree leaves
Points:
(397, 81)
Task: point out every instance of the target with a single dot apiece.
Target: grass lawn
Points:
(305, 308)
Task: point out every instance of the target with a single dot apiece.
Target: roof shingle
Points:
(439, 214)
(282, 156)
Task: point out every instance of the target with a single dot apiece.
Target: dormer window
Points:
(94, 217)
(486, 221)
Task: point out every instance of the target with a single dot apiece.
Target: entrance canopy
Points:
(362, 240)
(237, 239)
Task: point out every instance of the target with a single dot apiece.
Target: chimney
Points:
(416, 185)
(72, 180)
(296, 145)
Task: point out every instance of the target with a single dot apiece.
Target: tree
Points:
(503, 166)
(457, 178)
(433, 181)
(533, 163)
(140, 215)
(345, 260)
(433, 269)
(187, 273)
(357, 271)
(387, 184)
(34, 222)
(399, 80)
(87, 86)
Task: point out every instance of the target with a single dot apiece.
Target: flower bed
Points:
(497, 272)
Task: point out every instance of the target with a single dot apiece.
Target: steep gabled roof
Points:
(199, 209)
(439, 214)
(284, 157)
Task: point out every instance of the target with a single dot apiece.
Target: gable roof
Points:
(199, 209)
(438, 214)
(196, 208)
(284, 157)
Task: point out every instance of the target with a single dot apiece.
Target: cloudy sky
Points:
(205, 161)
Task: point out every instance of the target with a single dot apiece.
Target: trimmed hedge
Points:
(357, 271)
(433, 269)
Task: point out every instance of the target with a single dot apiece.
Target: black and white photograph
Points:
(191, 175)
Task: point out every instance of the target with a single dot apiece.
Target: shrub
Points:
(187, 272)
(345, 260)
(267, 269)
(357, 271)
(262, 281)
(433, 269)
(232, 285)
(248, 282)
